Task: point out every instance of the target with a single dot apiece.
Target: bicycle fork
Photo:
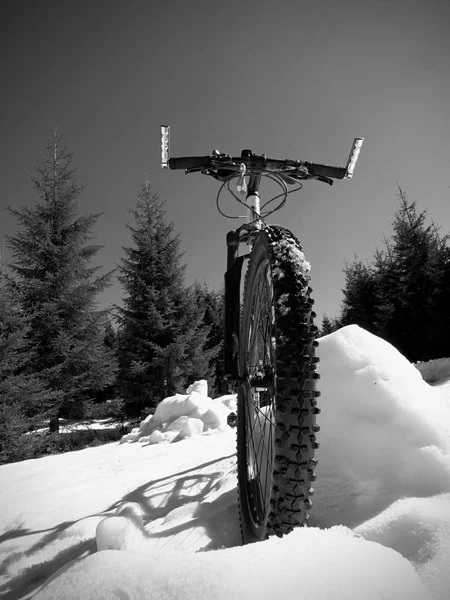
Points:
(233, 275)
(232, 308)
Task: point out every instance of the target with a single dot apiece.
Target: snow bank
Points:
(184, 416)
(383, 472)
(419, 529)
(353, 568)
(384, 431)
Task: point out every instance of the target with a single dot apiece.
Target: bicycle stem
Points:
(253, 201)
(253, 209)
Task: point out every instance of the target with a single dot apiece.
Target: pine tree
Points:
(109, 337)
(414, 280)
(358, 304)
(438, 343)
(51, 256)
(161, 331)
(329, 326)
(404, 295)
(214, 319)
(205, 328)
(24, 396)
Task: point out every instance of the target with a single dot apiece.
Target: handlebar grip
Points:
(325, 170)
(189, 162)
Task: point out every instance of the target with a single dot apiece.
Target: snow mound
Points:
(383, 471)
(384, 431)
(255, 571)
(184, 416)
(419, 529)
(115, 533)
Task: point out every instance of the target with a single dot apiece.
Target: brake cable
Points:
(241, 186)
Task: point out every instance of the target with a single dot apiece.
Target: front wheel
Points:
(277, 406)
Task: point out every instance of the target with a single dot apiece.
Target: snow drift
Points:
(380, 518)
(184, 415)
(273, 569)
(384, 431)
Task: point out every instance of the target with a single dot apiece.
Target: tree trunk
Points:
(54, 425)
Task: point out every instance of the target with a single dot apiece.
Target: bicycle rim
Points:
(258, 425)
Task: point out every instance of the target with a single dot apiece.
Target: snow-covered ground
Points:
(66, 426)
(140, 519)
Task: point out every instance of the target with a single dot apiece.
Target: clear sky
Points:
(291, 79)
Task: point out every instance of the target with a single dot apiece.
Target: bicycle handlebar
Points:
(325, 170)
(232, 163)
(194, 162)
(189, 162)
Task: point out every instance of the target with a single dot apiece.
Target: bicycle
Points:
(269, 339)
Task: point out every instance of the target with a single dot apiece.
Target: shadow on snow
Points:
(157, 499)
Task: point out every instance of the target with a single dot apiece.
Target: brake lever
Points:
(324, 179)
(288, 179)
(320, 178)
(221, 175)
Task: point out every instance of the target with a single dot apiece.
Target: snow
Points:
(184, 415)
(385, 432)
(296, 256)
(66, 426)
(276, 568)
(153, 517)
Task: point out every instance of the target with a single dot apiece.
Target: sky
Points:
(291, 79)
(138, 519)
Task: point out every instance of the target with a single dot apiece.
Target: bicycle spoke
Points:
(260, 421)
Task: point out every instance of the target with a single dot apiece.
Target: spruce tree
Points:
(358, 305)
(24, 396)
(414, 283)
(329, 326)
(50, 257)
(404, 295)
(161, 332)
(214, 317)
(204, 328)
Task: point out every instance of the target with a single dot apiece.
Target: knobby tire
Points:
(277, 399)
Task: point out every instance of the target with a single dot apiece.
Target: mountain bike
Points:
(269, 338)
